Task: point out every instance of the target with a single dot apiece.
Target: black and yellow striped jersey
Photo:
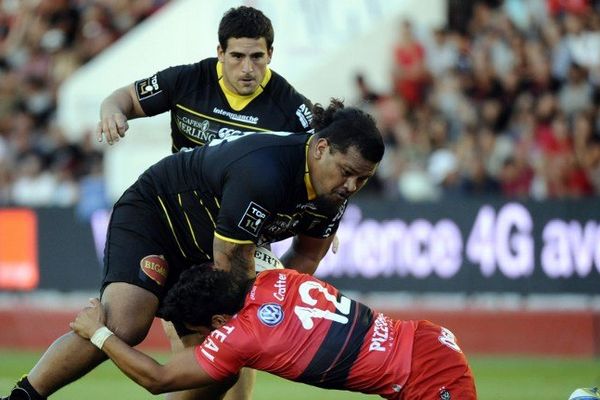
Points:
(247, 188)
(202, 111)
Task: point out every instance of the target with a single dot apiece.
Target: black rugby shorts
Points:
(139, 249)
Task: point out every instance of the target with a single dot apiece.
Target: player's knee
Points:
(130, 335)
(130, 332)
(129, 310)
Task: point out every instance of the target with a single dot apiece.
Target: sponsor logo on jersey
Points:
(381, 334)
(445, 394)
(280, 287)
(195, 128)
(147, 87)
(337, 217)
(210, 346)
(248, 119)
(310, 206)
(447, 338)
(253, 219)
(156, 268)
(315, 222)
(304, 115)
(226, 132)
(281, 224)
(270, 314)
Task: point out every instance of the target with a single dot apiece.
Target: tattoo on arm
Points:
(237, 258)
(242, 261)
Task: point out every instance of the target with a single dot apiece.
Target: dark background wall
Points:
(466, 246)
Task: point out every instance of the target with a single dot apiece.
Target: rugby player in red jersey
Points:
(297, 327)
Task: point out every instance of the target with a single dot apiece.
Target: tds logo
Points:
(147, 87)
(253, 219)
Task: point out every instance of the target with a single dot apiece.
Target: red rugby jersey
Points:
(303, 329)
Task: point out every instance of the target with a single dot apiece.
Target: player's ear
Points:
(321, 147)
(219, 320)
(220, 54)
(270, 54)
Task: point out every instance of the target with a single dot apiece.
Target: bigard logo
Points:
(156, 268)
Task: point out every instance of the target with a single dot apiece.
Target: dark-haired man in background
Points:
(234, 92)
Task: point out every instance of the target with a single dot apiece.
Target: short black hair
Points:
(245, 22)
(202, 292)
(344, 127)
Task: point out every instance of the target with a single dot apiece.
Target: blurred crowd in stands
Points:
(42, 42)
(504, 100)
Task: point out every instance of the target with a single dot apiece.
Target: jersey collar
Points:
(236, 101)
(307, 181)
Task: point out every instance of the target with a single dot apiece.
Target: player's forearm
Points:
(237, 258)
(141, 368)
(305, 253)
(299, 262)
(119, 101)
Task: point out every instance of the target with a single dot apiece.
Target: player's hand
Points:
(89, 320)
(113, 127)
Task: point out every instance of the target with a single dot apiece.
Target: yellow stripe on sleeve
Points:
(230, 240)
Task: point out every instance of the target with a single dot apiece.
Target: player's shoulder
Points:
(290, 101)
(275, 156)
(269, 157)
(284, 92)
(273, 275)
(251, 164)
(206, 65)
(265, 279)
(257, 144)
(194, 71)
(279, 277)
(270, 294)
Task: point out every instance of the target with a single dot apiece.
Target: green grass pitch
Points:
(497, 378)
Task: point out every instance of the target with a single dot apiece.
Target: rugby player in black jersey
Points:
(216, 97)
(217, 203)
